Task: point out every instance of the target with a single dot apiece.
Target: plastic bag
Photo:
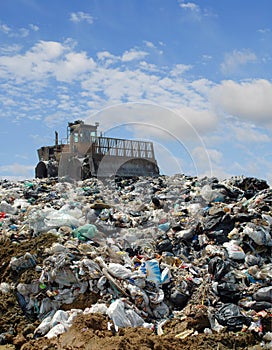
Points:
(60, 218)
(258, 234)
(229, 315)
(264, 294)
(164, 246)
(134, 318)
(234, 251)
(86, 232)
(64, 276)
(228, 292)
(60, 316)
(44, 326)
(48, 218)
(178, 299)
(24, 262)
(214, 250)
(161, 311)
(166, 276)
(5, 287)
(7, 208)
(218, 268)
(96, 308)
(55, 331)
(119, 271)
(186, 234)
(116, 312)
(211, 195)
(151, 270)
(164, 226)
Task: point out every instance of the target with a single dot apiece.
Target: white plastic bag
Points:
(211, 195)
(116, 312)
(44, 326)
(134, 318)
(259, 235)
(96, 308)
(55, 331)
(234, 251)
(118, 270)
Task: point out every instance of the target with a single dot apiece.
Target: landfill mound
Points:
(157, 263)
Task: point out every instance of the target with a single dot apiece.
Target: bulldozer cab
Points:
(81, 136)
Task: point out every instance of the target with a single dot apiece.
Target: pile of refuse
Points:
(147, 250)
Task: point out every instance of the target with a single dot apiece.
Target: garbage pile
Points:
(148, 250)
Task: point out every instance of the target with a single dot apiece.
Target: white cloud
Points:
(45, 59)
(23, 32)
(106, 58)
(150, 44)
(10, 49)
(154, 121)
(133, 55)
(206, 58)
(46, 50)
(168, 162)
(234, 60)
(127, 56)
(72, 66)
(179, 69)
(16, 170)
(103, 85)
(5, 28)
(34, 27)
(264, 30)
(209, 162)
(189, 6)
(248, 134)
(201, 154)
(246, 100)
(203, 120)
(102, 55)
(22, 156)
(80, 16)
(150, 67)
(14, 33)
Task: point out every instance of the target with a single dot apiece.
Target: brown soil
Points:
(10, 249)
(91, 332)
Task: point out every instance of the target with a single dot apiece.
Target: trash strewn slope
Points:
(174, 259)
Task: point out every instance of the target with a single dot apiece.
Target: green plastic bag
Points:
(85, 232)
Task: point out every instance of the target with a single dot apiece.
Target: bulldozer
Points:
(84, 154)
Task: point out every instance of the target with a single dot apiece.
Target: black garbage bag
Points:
(211, 221)
(250, 185)
(218, 227)
(229, 315)
(218, 268)
(156, 202)
(218, 236)
(261, 305)
(178, 299)
(164, 246)
(263, 294)
(228, 292)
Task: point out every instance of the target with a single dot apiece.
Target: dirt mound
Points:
(90, 332)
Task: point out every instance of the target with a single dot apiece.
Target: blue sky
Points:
(194, 77)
